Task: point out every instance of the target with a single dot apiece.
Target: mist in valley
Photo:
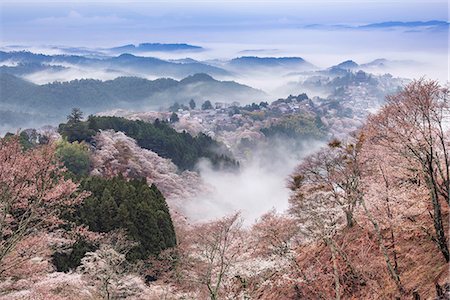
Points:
(322, 38)
(221, 149)
(260, 184)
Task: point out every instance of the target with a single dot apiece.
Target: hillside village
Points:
(343, 111)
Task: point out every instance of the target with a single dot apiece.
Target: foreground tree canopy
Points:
(133, 206)
(367, 219)
(391, 178)
(33, 192)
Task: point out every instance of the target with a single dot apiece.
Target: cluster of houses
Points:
(344, 110)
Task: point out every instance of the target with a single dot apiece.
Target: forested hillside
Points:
(125, 63)
(182, 148)
(133, 206)
(367, 218)
(50, 101)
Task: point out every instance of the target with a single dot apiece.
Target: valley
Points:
(224, 150)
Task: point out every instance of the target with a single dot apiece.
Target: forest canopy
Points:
(133, 206)
(182, 148)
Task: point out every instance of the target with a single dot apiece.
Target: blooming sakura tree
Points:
(30, 259)
(326, 190)
(328, 181)
(33, 192)
(391, 196)
(214, 248)
(275, 234)
(357, 163)
(277, 239)
(319, 218)
(413, 126)
(117, 153)
(331, 172)
(106, 267)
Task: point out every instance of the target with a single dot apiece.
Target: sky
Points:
(118, 21)
(231, 28)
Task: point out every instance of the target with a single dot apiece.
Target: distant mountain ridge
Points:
(406, 24)
(28, 65)
(380, 63)
(245, 62)
(127, 63)
(155, 47)
(124, 92)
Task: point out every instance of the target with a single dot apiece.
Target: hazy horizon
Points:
(322, 32)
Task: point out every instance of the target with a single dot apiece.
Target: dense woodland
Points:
(93, 96)
(133, 206)
(297, 127)
(368, 218)
(182, 148)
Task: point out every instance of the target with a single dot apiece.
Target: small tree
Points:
(75, 129)
(192, 104)
(207, 105)
(174, 118)
(213, 249)
(107, 267)
(75, 116)
(331, 171)
(277, 238)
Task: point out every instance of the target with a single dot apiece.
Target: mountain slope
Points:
(124, 92)
(252, 62)
(156, 47)
(125, 63)
(413, 24)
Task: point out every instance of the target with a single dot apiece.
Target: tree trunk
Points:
(349, 217)
(391, 269)
(212, 293)
(439, 291)
(337, 285)
(298, 293)
(390, 216)
(437, 219)
(347, 262)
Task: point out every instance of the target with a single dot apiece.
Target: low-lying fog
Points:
(231, 30)
(417, 52)
(260, 185)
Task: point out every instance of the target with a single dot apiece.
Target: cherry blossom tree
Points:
(214, 248)
(391, 196)
(319, 218)
(105, 266)
(327, 186)
(108, 268)
(413, 125)
(277, 239)
(33, 192)
(331, 171)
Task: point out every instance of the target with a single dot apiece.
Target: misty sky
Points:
(226, 28)
(113, 22)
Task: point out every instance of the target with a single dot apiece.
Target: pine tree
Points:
(192, 104)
